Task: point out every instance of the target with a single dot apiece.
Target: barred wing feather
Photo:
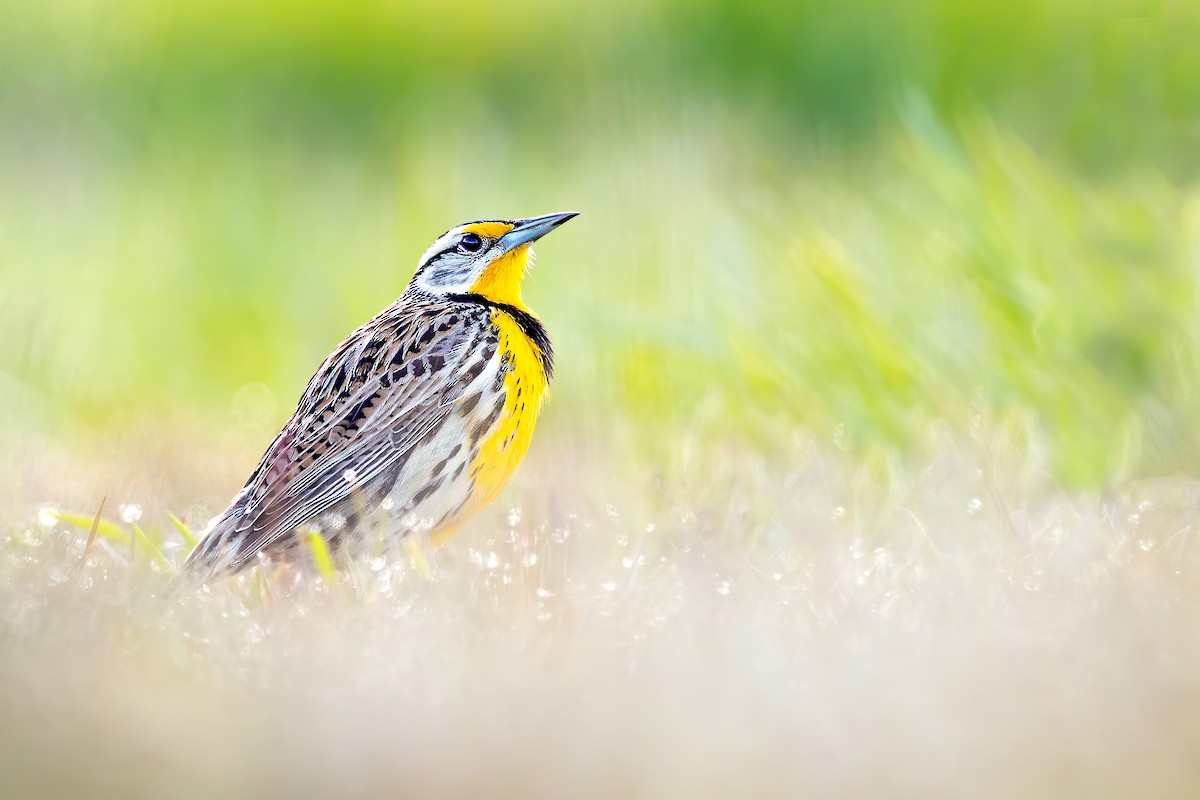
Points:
(379, 394)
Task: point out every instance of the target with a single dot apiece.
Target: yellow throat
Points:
(525, 384)
(501, 281)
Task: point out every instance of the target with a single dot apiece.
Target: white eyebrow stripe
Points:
(440, 245)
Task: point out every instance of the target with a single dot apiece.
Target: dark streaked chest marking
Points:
(530, 325)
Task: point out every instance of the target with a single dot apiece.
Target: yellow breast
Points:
(525, 383)
(525, 387)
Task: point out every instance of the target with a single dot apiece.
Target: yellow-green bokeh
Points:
(857, 218)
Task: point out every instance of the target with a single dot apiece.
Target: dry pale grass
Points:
(792, 628)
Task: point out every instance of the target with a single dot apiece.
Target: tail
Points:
(216, 554)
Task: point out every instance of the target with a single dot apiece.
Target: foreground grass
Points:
(751, 633)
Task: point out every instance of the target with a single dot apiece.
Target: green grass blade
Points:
(95, 524)
(152, 548)
(103, 527)
(188, 539)
(322, 559)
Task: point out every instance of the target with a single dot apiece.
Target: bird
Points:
(414, 422)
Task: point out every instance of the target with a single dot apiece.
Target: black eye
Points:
(471, 243)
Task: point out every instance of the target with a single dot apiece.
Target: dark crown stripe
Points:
(454, 246)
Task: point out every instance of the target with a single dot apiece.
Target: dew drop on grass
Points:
(649, 527)
(609, 586)
(384, 581)
(544, 593)
(47, 517)
(723, 587)
(837, 513)
(881, 559)
(974, 506)
(130, 512)
(1146, 545)
(514, 517)
(493, 561)
(529, 559)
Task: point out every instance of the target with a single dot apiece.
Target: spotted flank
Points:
(414, 423)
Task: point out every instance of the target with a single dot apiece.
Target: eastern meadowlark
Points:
(415, 421)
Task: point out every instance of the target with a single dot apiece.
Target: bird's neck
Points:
(501, 282)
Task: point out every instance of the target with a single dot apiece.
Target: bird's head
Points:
(486, 258)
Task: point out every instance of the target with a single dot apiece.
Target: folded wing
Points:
(386, 388)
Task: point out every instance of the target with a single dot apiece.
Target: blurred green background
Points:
(859, 218)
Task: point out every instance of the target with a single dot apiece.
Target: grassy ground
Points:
(870, 466)
(973, 635)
